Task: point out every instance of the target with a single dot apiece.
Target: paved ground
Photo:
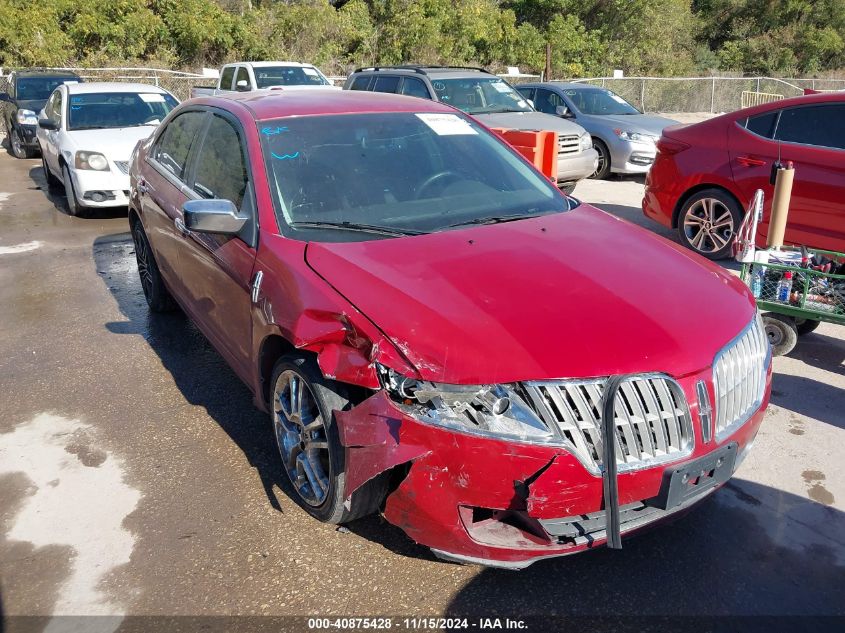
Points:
(136, 478)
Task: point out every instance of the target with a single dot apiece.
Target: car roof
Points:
(435, 72)
(273, 104)
(267, 64)
(111, 86)
(46, 73)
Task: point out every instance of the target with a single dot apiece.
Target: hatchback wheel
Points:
(73, 207)
(156, 293)
(603, 165)
(306, 434)
(707, 223)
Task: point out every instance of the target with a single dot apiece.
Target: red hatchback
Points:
(706, 174)
(440, 334)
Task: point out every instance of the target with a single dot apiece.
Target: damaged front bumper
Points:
(508, 504)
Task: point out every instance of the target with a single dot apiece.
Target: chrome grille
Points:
(739, 377)
(652, 419)
(568, 144)
(122, 165)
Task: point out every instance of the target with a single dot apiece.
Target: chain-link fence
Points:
(704, 94)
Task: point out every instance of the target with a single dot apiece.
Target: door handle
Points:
(749, 161)
(256, 286)
(180, 226)
(142, 187)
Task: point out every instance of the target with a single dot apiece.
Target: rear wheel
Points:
(156, 293)
(781, 332)
(603, 166)
(708, 221)
(306, 433)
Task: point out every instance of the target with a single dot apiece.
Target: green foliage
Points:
(587, 37)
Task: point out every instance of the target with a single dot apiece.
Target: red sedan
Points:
(706, 174)
(437, 332)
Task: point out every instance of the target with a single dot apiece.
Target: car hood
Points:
(36, 105)
(529, 121)
(114, 143)
(642, 123)
(573, 294)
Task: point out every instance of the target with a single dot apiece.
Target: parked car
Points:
(248, 76)
(406, 295)
(706, 174)
(87, 132)
(491, 100)
(623, 137)
(26, 93)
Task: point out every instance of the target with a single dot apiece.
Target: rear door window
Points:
(546, 101)
(174, 144)
(528, 93)
(386, 83)
(820, 125)
(763, 124)
(414, 87)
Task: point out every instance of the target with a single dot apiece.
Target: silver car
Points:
(624, 137)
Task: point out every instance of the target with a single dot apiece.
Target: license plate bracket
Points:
(690, 480)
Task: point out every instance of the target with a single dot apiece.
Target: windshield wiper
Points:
(354, 226)
(495, 219)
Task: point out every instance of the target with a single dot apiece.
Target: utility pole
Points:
(547, 75)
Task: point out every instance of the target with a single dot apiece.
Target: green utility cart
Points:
(814, 295)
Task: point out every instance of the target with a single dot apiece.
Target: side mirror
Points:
(563, 111)
(4, 96)
(242, 86)
(212, 216)
(48, 124)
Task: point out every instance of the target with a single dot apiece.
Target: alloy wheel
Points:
(708, 225)
(17, 148)
(142, 256)
(302, 438)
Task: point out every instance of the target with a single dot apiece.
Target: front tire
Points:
(53, 183)
(708, 221)
(309, 445)
(18, 149)
(781, 332)
(73, 206)
(156, 293)
(603, 167)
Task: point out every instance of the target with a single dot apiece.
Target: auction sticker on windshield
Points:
(446, 124)
(151, 97)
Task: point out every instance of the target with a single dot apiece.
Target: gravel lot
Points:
(137, 479)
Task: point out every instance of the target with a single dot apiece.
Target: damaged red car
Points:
(438, 333)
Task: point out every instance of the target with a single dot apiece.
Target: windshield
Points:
(289, 76)
(480, 95)
(39, 88)
(399, 171)
(118, 109)
(599, 101)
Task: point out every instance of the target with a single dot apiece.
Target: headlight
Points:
(586, 142)
(91, 160)
(636, 137)
(27, 117)
(492, 410)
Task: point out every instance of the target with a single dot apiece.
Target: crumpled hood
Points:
(574, 294)
(529, 121)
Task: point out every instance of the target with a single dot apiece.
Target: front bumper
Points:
(627, 157)
(574, 167)
(26, 133)
(505, 504)
(100, 189)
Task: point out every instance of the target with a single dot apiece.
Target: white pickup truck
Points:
(246, 76)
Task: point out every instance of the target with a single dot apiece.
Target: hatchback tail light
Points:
(666, 145)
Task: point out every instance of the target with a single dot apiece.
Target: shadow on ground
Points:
(57, 197)
(749, 550)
